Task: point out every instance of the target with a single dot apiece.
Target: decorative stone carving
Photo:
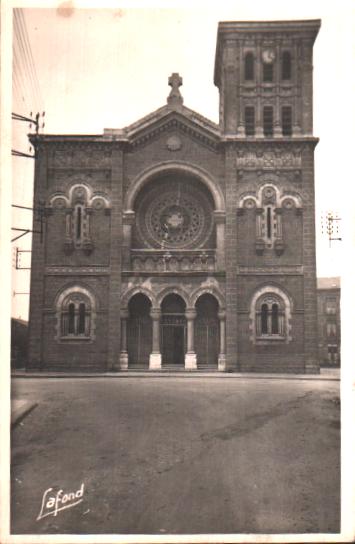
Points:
(254, 159)
(175, 98)
(268, 204)
(78, 204)
(272, 269)
(176, 215)
(173, 143)
(173, 261)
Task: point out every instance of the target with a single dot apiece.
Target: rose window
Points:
(175, 215)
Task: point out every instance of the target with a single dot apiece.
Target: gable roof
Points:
(164, 117)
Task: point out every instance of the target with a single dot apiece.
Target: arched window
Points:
(268, 72)
(286, 66)
(270, 313)
(268, 118)
(249, 67)
(264, 312)
(249, 118)
(75, 314)
(286, 120)
(275, 319)
(71, 318)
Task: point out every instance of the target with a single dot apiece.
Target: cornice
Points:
(178, 123)
(260, 143)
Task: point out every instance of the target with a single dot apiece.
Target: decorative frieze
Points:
(291, 270)
(173, 261)
(268, 159)
(81, 155)
(77, 270)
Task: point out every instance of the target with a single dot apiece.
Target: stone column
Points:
(220, 220)
(155, 356)
(259, 132)
(222, 341)
(123, 354)
(127, 220)
(277, 117)
(190, 357)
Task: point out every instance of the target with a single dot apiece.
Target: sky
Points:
(106, 68)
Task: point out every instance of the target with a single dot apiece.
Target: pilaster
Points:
(35, 343)
(114, 320)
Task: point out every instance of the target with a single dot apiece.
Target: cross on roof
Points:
(175, 81)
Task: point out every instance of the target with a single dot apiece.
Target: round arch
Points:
(136, 290)
(209, 291)
(176, 290)
(271, 289)
(174, 166)
(75, 288)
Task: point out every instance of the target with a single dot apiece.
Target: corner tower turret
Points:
(264, 74)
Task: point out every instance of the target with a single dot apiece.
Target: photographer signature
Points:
(53, 502)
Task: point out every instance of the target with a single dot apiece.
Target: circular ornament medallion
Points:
(174, 215)
(173, 143)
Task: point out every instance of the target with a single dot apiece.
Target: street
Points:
(170, 455)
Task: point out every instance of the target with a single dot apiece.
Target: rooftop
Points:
(328, 283)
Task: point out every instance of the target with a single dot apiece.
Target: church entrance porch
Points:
(173, 331)
(139, 332)
(207, 341)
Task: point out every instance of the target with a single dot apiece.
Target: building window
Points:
(268, 72)
(270, 317)
(286, 119)
(268, 115)
(249, 114)
(249, 67)
(330, 306)
(286, 66)
(331, 330)
(78, 219)
(76, 316)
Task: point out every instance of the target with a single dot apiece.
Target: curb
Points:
(19, 413)
(191, 374)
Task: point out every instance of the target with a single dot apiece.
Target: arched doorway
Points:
(139, 331)
(173, 331)
(207, 331)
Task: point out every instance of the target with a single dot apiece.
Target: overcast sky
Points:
(108, 67)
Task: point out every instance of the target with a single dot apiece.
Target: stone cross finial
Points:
(175, 98)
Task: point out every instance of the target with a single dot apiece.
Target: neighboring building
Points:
(177, 242)
(329, 321)
(19, 343)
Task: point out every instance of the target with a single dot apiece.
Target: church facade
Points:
(178, 243)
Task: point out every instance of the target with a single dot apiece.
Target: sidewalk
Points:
(332, 374)
(20, 409)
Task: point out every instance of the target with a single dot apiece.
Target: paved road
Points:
(176, 455)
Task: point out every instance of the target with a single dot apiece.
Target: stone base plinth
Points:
(155, 361)
(190, 361)
(123, 361)
(222, 363)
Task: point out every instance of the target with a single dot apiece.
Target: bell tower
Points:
(264, 74)
(263, 70)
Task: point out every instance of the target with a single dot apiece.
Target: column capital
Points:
(155, 313)
(222, 315)
(219, 216)
(190, 314)
(128, 217)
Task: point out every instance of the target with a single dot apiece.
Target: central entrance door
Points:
(173, 331)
